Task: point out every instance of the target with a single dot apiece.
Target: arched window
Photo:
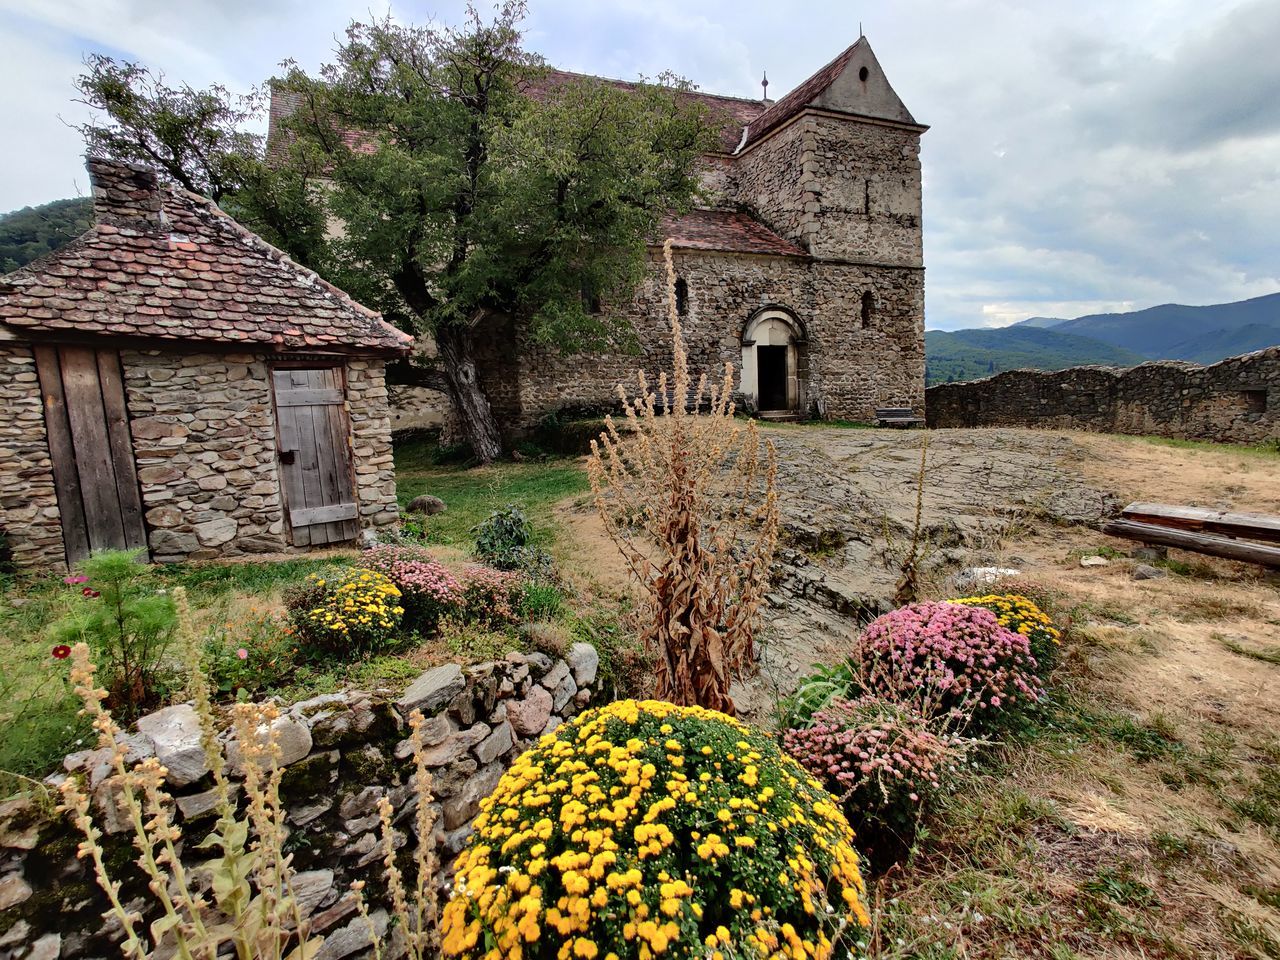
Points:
(682, 297)
(868, 304)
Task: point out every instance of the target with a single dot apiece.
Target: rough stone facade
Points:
(343, 752)
(1235, 400)
(28, 501)
(830, 179)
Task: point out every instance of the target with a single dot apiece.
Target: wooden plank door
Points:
(92, 450)
(313, 438)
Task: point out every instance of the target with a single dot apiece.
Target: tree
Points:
(471, 182)
(195, 139)
(34, 231)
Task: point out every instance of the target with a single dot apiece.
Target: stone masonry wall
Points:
(1234, 400)
(29, 513)
(204, 438)
(847, 371)
(342, 752)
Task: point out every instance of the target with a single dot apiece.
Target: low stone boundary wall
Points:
(1235, 400)
(343, 752)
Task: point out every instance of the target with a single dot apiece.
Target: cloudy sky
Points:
(1083, 157)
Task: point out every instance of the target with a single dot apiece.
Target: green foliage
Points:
(126, 623)
(504, 542)
(34, 231)
(816, 691)
(541, 600)
(250, 656)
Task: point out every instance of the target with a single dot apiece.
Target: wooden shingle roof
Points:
(162, 263)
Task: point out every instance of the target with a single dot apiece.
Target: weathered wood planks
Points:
(1251, 526)
(1211, 544)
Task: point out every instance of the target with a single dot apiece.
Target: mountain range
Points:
(1170, 331)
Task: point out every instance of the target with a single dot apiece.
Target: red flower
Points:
(90, 592)
(61, 652)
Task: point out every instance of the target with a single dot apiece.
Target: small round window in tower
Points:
(863, 74)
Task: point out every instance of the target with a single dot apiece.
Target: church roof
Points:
(726, 231)
(166, 264)
(873, 98)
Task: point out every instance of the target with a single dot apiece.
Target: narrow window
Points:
(590, 299)
(682, 297)
(1255, 401)
(867, 305)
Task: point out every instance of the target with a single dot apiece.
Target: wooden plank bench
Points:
(897, 417)
(1218, 533)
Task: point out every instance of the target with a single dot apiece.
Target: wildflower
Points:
(242, 653)
(75, 579)
(61, 652)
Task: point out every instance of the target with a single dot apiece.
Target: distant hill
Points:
(970, 354)
(1040, 322)
(34, 231)
(1176, 332)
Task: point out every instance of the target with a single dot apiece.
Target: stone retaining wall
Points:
(1235, 400)
(343, 752)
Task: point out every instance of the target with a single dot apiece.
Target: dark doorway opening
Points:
(771, 372)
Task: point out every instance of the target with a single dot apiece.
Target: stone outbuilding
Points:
(173, 382)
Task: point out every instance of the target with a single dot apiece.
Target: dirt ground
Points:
(1149, 825)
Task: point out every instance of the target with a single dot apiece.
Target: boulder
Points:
(530, 715)
(584, 661)
(432, 690)
(1094, 561)
(291, 734)
(174, 733)
(426, 504)
(496, 744)
(974, 578)
(1144, 571)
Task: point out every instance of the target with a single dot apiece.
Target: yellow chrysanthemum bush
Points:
(1022, 615)
(644, 829)
(352, 611)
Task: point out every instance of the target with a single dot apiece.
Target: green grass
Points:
(1267, 654)
(470, 495)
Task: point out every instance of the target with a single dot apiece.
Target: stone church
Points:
(805, 270)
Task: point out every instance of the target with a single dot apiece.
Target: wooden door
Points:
(92, 450)
(313, 438)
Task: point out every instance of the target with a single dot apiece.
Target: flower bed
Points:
(947, 661)
(1021, 615)
(642, 829)
(355, 610)
(428, 591)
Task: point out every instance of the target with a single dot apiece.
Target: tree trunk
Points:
(474, 413)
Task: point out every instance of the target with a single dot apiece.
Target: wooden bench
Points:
(897, 417)
(1218, 533)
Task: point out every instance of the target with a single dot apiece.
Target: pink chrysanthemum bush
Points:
(492, 597)
(948, 662)
(428, 591)
(882, 760)
(644, 830)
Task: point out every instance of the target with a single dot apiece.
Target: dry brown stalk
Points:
(692, 505)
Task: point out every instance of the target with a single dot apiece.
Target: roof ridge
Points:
(694, 87)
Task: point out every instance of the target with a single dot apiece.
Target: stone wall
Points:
(1235, 400)
(342, 752)
(28, 501)
(847, 370)
(204, 440)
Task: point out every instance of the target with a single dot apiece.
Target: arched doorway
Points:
(771, 345)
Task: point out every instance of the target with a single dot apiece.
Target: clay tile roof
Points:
(189, 273)
(795, 101)
(726, 231)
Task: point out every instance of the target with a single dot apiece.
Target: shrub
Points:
(643, 829)
(428, 591)
(127, 623)
(1022, 615)
(491, 597)
(540, 600)
(816, 691)
(881, 759)
(252, 655)
(350, 611)
(504, 541)
(947, 661)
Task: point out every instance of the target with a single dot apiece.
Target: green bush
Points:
(540, 600)
(127, 624)
(816, 691)
(251, 656)
(504, 541)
